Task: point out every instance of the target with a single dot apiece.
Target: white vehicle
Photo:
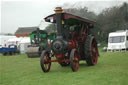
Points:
(118, 40)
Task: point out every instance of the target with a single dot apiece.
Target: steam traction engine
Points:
(39, 41)
(73, 42)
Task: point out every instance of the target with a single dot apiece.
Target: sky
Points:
(28, 13)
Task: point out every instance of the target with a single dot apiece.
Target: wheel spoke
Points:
(45, 66)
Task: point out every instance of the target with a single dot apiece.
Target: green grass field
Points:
(112, 69)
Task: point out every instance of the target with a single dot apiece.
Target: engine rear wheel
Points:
(74, 60)
(45, 61)
(91, 51)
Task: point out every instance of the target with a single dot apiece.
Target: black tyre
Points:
(74, 60)
(10, 53)
(18, 51)
(45, 61)
(91, 51)
(4, 54)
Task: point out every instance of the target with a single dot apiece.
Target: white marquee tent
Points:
(24, 44)
(14, 41)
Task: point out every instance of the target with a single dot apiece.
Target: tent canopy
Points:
(14, 39)
(25, 40)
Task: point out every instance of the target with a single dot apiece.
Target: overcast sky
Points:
(27, 13)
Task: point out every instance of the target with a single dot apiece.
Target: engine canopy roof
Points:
(69, 19)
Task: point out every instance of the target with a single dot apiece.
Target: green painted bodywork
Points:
(51, 36)
(45, 37)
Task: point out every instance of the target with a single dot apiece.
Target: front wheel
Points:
(45, 61)
(74, 60)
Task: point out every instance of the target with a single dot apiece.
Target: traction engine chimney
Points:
(59, 12)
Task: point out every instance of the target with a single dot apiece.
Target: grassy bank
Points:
(112, 69)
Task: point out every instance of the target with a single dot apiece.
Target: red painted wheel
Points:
(94, 52)
(44, 61)
(74, 60)
(91, 51)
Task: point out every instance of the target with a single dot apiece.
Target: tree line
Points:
(109, 20)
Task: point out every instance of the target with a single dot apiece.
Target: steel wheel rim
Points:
(46, 62)
(76, 60)
(94, 52)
